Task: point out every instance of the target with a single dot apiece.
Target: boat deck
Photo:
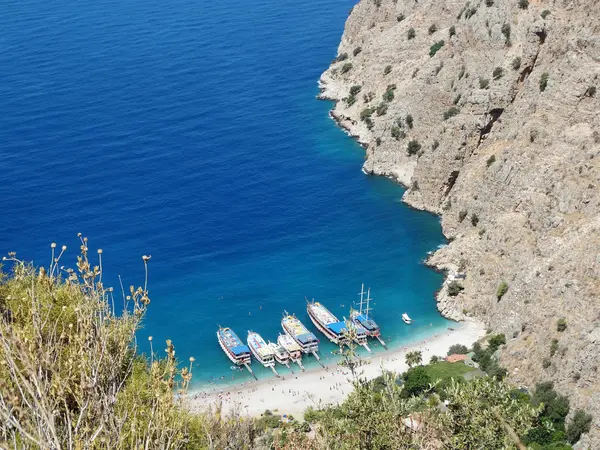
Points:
(295, 326)
(322, 314)
(232, 341)
(288, 343)
(259, 345)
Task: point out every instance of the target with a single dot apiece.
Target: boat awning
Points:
(367, 323)
(306, 338)
(337, 327)
(238, 350)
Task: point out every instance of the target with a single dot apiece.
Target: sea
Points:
(189, 130)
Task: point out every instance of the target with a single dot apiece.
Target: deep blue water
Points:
(189, 130)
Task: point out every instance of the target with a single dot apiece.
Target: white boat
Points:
(281, 355)
(233, 347)
(261, 351)
(292, 348)
(406, 319)
(307, 341)
(327, 323)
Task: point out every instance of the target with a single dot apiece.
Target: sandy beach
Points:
(318, 386)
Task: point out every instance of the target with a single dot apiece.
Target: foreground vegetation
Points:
(71, 377)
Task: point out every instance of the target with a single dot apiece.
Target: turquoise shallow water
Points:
(190, 131)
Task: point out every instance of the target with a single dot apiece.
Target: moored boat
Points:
(364, 319)
(236, 351)
(281, 355)
(327, 323)
(263, 353)
(406, 318)
(359, 335)
(307, 341)
(292, 348)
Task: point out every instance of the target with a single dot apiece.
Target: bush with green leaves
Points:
(455, 288)
(453, 111)
(545, 13)
(484, 83)
(489, 3)
(397, 132)
(357, 50)
(553, 347)
(415, 381)
(413, 147)
(506, 32)
(435, 48)
(523, 4)
(409, 121)
(382, 109)
(544, 81)
(470, 12)
(474, 219)
(561, 324)
(432, 28)
(458, 349)
(341, 57)
(354, 90)
(498, 73)
(387, 70)
(462, 214)
(351, 100)
(516, 63)
(388, 95)
(435, 145)
(400, 17)
(452, 31)
(580, 424)
(590, 91)
(491, 160)
(410, 34)
(502, 289)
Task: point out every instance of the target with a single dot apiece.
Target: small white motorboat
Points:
(406, 319)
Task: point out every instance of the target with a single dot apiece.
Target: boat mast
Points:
(368, 300)
(361, 293)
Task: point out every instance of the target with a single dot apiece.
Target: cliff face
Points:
(506, 148)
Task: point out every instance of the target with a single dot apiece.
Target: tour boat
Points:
(261, 351)
(281, 355)
(364, 319)
(406, 319)
(360, 335)
(236, 351)
(292, 348)
(307, 341)
(327, 323)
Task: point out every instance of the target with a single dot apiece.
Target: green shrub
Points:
(491, 160)
(400, 17)
(523, 4)
(413, 147)
(346, 67)
(474, 219)
(546, 363)
(415, 381)
(398, 133)
(435, 145)
(580, 424)
(462, 214)
(356, 51)
(461, 73)
(544, 81)
(561, 325)
(545, 13)
(484, 83)
(452, 31)
(498, 73)
(381, 109)
(409, 121)
(455, 288)
(516, 63)
(366, 113)
(351, 100)
(341, 57)
(387, 70)
(432, 28)
(470, 12)
(435, 48)
(506, 32)
(495, 341)
(451, 112)
(410, 34)
(388, 95)
(355, 89)
(489, 3)
(368, 97)
(553, 347)
(502, 289)
(458, 349)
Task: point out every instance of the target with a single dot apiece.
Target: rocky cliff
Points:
(487, 111)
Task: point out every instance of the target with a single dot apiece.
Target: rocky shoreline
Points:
(485, 113)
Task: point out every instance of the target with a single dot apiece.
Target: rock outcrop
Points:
(487, 112)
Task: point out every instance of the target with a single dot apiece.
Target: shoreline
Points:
(320, 387)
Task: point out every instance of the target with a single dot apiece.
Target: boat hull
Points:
(306, 347)
(237, 360)
(333, 337)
